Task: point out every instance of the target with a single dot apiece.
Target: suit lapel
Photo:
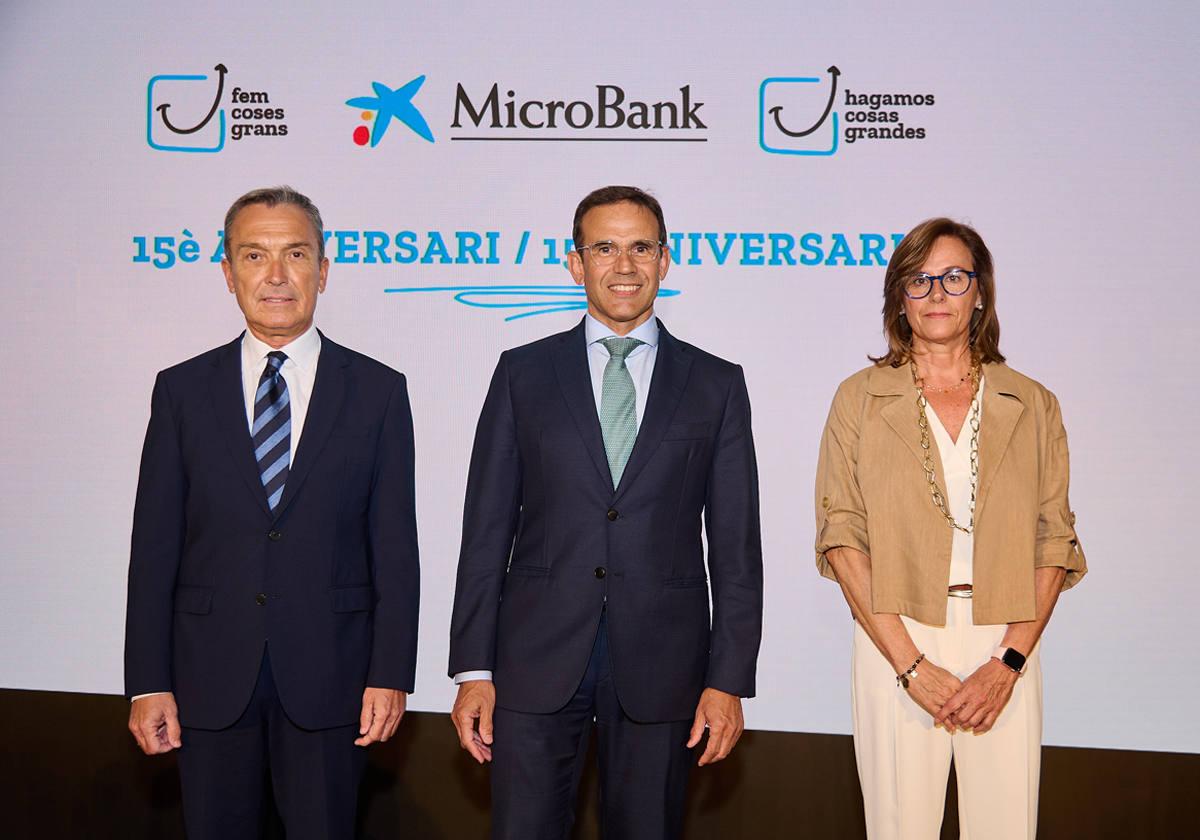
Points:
(1002, 409)
(903, 416)
(329, 389)
(229, 404)
(671, 368)
(575, 380)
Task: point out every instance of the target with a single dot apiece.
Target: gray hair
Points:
(272, 196)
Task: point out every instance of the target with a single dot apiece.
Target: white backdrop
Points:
(1067, 135)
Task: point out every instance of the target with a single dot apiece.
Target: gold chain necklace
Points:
(947, 389)
(939, 500)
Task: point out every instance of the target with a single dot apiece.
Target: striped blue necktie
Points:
(272, 429)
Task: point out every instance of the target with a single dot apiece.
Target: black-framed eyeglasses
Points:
(954, 282)
(642, 251)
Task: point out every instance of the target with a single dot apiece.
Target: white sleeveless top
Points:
(956, 465)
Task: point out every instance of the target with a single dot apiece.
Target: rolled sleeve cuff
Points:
(838, 532)
(1066, 554)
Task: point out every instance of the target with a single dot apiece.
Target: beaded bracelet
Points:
(903, 678)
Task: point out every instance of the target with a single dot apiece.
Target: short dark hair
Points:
(272, 196)
(615, 195)
(907, 259)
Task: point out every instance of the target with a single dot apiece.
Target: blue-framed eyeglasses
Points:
(954, 282)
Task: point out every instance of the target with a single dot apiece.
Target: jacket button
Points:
(600, 572)
(825, 503)
(260, 599)
(274, 536)
(612, 515)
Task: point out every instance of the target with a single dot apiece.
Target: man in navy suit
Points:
(582, 596)
(273, 579)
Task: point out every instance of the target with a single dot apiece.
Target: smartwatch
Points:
(1012, 658)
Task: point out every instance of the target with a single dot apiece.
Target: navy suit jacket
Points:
(330, 578)
(548, 542)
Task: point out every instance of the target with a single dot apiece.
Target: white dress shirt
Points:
(299, 372)
(639, 363)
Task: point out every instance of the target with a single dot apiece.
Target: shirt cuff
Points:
(466, 676)
(149, 694)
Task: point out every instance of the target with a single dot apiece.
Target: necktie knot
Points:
(275, 360)
(620, 348)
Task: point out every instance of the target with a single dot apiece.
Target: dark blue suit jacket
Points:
(331, 578)
(547, 539)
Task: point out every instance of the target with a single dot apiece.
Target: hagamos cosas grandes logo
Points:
(817, 115)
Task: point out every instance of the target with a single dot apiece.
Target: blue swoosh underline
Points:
(466, 295)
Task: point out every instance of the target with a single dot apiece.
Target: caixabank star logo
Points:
(387, 105)
(799, 115)
(185, 113)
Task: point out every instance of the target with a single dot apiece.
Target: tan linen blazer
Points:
(872, 495)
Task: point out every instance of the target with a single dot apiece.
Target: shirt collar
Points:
(302, 351)
(594, 331)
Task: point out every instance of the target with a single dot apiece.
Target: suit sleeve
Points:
(156, 548)
(841, 512)
(489, 526)
(1057, 543)
(731, 520)
(395, 567)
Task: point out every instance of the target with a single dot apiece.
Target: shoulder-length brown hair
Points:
(907, 260)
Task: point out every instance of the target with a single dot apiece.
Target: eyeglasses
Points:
(642, 251)
(954, 282)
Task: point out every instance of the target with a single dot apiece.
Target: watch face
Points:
(1015, 660)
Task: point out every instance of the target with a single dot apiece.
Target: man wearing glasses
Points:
(582, 595)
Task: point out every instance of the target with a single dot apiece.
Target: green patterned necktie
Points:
(618, 405)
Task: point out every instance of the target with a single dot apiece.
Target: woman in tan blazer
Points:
(942, 513)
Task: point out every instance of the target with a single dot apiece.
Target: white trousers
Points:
(904, 761)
